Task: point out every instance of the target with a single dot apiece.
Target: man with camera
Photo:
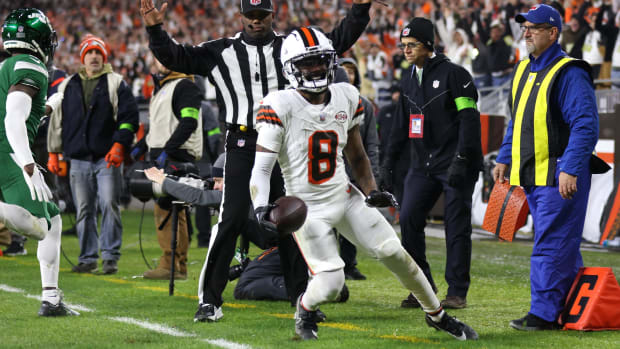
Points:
(174, 139)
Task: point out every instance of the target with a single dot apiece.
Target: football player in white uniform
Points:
(307, 129)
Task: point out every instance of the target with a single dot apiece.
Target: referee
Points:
(244, 69)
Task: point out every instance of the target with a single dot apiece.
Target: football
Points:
(289, 214)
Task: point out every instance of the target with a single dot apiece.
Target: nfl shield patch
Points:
(435, 83)
(241, 143)
(255, 2)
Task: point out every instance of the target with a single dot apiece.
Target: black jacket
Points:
(446, 130)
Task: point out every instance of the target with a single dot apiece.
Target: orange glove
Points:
(52, 163)
(116, 155)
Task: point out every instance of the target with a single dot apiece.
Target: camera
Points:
(144, 190)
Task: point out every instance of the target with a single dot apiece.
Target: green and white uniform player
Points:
(25, 205)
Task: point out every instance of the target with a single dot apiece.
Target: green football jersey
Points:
(28, 70)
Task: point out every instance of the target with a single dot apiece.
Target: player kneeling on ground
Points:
(306, 130)
(25, 208)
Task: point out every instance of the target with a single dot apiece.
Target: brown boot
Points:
(163, 274)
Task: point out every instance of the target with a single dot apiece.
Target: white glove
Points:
(38, 189)
(54, 100)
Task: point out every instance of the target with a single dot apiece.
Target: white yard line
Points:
(151, 326)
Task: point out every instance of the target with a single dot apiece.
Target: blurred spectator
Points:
(93, 124)
(378, 72)
(592, 45)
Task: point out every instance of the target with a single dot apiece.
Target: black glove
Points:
(457, 172)
(267, 228)
(385, 178)
(381, 199)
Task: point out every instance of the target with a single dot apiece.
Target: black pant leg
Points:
(420, 194)
(240, 148)
(457, 221)
(203, 224)
(348, 251)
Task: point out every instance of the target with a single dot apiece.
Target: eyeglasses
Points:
(409, 45)
(535, 29)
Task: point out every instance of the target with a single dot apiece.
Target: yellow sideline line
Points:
(344, 326)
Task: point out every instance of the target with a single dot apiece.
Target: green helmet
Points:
(29, 29)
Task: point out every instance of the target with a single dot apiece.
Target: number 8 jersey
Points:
(309, 138)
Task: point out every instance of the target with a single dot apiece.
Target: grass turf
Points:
(124, 304)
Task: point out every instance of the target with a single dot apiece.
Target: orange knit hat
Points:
(92, 42)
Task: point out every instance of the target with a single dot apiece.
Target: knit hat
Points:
(218, 166)
(92, 42)
(421, 29)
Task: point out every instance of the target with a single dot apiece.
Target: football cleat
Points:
(208, 312)
(457, 329)
(60, 309)
(305, 322)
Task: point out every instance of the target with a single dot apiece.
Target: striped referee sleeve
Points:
(359, 110)
(266, 114)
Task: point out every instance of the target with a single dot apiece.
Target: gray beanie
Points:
(218, 166)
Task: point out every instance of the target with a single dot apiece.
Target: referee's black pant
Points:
(421, 191)
(236, 202)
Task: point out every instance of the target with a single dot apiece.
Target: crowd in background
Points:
(480, 35)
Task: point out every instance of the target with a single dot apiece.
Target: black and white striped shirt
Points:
(244, 70)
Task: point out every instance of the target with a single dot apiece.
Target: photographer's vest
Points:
(163, 122)
(539, 138)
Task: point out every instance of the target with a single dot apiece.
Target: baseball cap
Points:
(541, 13)
(251, 5)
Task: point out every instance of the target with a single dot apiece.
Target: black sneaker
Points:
(208, 312)
(320, 316)
(344, 294)
(16, 248)
(84, 267)
(354, 274)
(305, 322)
(454, 327)
(533, 323)
(110, 266)
(60, 309)
(410, 302)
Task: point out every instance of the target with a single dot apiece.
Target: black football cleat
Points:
(208, 312)
(60, 309)
(457, 329)
(533, 323)
(305, 322)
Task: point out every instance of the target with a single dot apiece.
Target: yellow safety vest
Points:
(539, 138)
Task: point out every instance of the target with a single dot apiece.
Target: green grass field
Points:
(123, 310)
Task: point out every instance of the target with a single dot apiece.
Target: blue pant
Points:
(97, 188)
(555, 261)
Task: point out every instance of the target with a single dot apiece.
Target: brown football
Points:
(289, 214)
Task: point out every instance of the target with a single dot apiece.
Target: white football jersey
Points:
(309, 138)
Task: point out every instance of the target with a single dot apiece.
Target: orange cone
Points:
(593, 303)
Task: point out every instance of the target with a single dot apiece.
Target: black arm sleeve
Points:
(186, 95)
(127, 117)
(182, 58)
(462, 87)
(350, 28)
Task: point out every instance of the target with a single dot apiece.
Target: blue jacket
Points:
(88, 132)
(573, 98)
